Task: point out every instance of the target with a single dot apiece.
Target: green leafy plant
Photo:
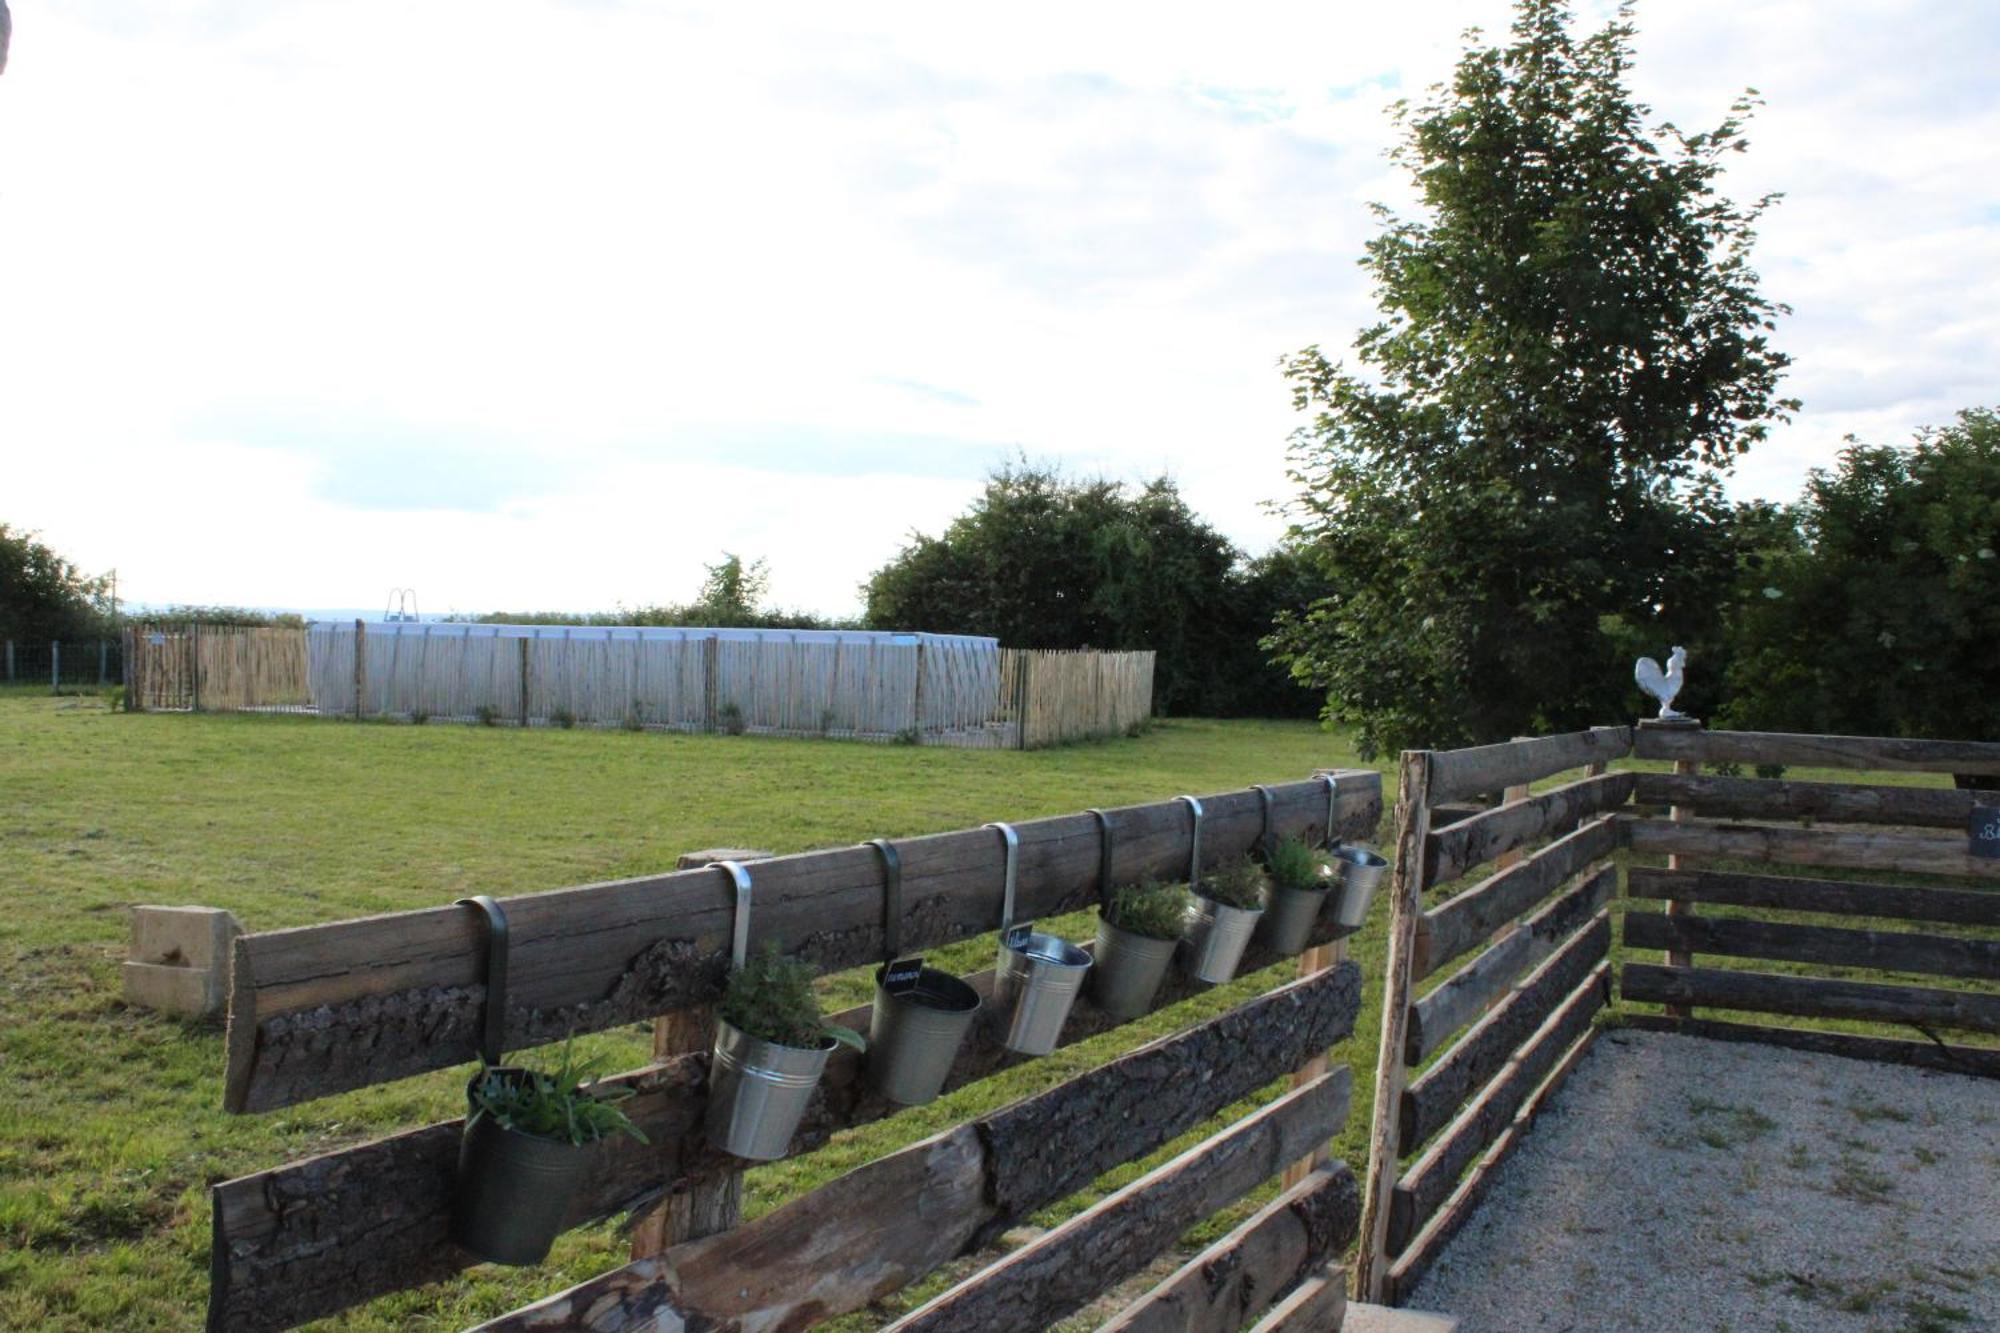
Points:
(418, 717)
(1150, 908)
(563, 718)
(561, 1104)
(729, 718)
(1296, 864)
(1236, 883)
(634, 721)
(487, 715)
(771, 997)
(909, 736)
(114, 698)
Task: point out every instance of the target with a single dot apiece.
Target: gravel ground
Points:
(1675, 1183)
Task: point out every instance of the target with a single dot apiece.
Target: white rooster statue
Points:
(1663, 685)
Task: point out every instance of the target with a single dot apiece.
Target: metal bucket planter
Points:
(914, 1035)
(1360, 871)
(513, 1189)
(1217, 936)
(1290, 915)
(1128, 970)
(1040, 978)
(758, 1092)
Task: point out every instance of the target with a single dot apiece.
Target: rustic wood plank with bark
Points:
(1316, 1305)
(389, 1201)
(1464, 922)
(1798, 750)
(322, 1009)
(1428, 1243)
(1810, 997)
(1979, 1061)
(1834, 946)
(1907, 853)
(1450, 852)
(1063, 1269)
(1463, 996)
(1433, 1176)
(1459, 774)
(1827, 802)
(1237, 1278)
(839, 1247)
(1435, 1096)
(1965, 907)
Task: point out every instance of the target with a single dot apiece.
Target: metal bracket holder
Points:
(739, 938)
(892, 898)
(1264, 839)
(1194, 840)
(1332, 809)
(1107, 843)
(493, 1018)
(1012, 841)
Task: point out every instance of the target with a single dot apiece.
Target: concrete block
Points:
(183, 936)
(708, 856)
(1382, 1319)
(185, 992)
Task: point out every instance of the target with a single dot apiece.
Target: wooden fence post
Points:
(55, 665)
(524, 682)
(360, 664)
(128, 668)
(194, 667)
(1413, 817)
(917, 697)
(1679, 814)
(711, 657)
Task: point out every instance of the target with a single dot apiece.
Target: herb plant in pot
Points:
(529, 1139)
(1228, 903)
(1137, 933)
(1300, 882)
(771, 1044)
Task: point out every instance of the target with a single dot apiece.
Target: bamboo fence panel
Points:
(251, 668)
(1071, 696)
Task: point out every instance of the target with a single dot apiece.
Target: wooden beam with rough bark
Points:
(322, 1009)
(883, 1225)
(1063, 1269)
(1884, 754)
(1237, 1278)
(1841, 897)
(1490, 768)
(1316, 1305)
(1904, 853)
(1464, 922)
(1810, 997)
(1979, 1061)
(1833, 946)
(1450, 852)
(1827, 802)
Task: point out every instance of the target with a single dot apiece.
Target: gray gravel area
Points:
(1677, 1183)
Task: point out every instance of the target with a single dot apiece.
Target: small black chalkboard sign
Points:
(1983, 827)
(901, 976)
(1018, 937)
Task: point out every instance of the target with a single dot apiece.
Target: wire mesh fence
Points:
(62, 664)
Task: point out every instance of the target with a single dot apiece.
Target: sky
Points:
(545, 305)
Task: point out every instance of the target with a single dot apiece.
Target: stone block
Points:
(183, 936)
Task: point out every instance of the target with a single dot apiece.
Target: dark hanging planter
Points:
(513, 1188)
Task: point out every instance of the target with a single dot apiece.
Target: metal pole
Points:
(10, 661)
(55, 664)
(103, 662)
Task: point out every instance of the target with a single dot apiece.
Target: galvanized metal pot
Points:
(1040, 979)
(914, 1035)
(513, 1190)
(1217, 935)
(1290, 914)
(1360, 871)
(758, 1092)
(1128, 970)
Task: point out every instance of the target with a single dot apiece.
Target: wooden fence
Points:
(1071, 696)
(323, 1009)
(215, 668)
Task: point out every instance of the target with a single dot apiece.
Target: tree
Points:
(1572, 352)
(42, 595)
(1881, 617)
(731, 593)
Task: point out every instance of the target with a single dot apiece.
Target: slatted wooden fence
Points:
(1072, 696)
(216, 668)
(322, 1009)
(1524, 1001)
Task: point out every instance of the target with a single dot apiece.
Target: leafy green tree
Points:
(1883, 617)
(44, 596)
(733, 591)
(1525, 481)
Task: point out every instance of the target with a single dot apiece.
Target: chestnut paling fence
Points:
(1496, 982)
(320, 1009)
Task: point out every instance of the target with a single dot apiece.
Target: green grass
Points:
(109, 1127)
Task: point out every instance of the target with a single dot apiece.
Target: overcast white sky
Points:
(544, 305)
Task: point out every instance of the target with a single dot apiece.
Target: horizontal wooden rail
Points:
(322, 1009)
(1063, 1269)
(1979, 1061)
(1904, 853)
(1465, 994)
(1884, 754)
(1451, 851)
(1314, 1306)
(1834, 946)
(1468, 920)
(1237, 1278)
(1431, 1100)
(1424, 1248)
(1827, 802)
(1810, 997)
(389, 1201)
(886, 1224)
(1489, 769)
(1433, 1176)
(1965, 907)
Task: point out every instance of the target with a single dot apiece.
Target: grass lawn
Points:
(109, 1127)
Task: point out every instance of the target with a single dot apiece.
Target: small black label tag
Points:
(1018, 937)
(1984, 829)
(902, 975)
